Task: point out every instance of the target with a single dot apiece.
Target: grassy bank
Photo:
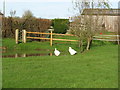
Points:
(10, 44)
(96, 68)
(37, 47)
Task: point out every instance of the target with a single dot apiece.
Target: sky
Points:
(48, 9)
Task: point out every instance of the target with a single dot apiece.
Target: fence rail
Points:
(38, 33)
(50, 33)
(37, 38)
(106, 39)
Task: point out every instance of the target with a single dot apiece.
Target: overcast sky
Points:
(44, 8)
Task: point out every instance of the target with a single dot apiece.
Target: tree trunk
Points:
(89, 41)
(81, 45)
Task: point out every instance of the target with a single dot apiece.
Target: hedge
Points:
(60, 25)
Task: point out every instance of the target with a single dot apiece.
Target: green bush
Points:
(60, 25)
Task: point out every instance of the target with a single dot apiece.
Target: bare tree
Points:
(79, 5)
(27, 14)
(87, 25)
(12, 13)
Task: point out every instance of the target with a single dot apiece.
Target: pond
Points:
(26, 53)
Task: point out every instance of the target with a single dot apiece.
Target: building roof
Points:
(1, 13)
(111, 12)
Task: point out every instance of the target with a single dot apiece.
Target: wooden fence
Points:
(98, 37)
(113, 38)
(24, 36)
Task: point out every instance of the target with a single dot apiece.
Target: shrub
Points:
(60, 25)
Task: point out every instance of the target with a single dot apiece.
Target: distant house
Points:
(111, 17)
(1, 16)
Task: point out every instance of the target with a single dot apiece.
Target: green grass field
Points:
(96, 68)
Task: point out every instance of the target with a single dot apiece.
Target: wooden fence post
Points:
(51, 38)
(16, 55)
(23, 55)
(24, 36)
(50, 54)
(16, 35)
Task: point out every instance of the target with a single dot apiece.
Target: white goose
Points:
(56, 52)
(72, 51)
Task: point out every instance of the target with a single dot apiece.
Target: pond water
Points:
(23, 53)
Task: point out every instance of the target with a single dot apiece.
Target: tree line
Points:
(27, 21)
(32, 24)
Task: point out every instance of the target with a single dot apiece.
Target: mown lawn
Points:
(96, 68)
